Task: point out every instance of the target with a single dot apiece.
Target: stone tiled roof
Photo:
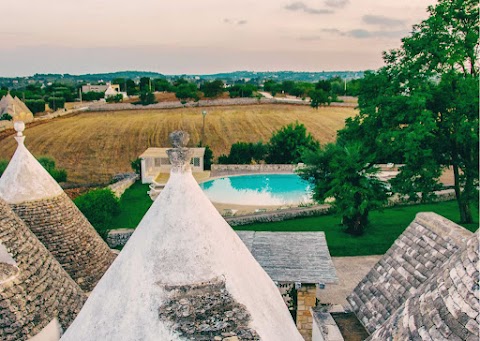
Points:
(41, 203)
(15, 108)
(428, 242)
(445, 307)
(292, 257)
(69, 236)
(39, 291)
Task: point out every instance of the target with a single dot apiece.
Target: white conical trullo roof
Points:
(184, 275)
(41, 203)
(25, 179)
(15, 108)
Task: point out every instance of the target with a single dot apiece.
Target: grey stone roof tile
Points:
(443, 305)
(420, 252)
(41, 290)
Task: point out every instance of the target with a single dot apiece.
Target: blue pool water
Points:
(259, 189)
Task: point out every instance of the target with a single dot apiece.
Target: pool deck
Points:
(241, 210)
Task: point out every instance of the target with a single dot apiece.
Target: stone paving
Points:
(350, 271)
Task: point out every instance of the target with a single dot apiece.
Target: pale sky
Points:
(201, 36)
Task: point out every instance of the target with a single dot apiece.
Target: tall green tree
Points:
(212, 89)
(422, 107)
(187, 91)
(147, 97)
(318, 97)
(287, 145)
(342, 172)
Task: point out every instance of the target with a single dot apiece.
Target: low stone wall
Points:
(118, 188)
(278, 215)
(119, 237)
(201, 103)
(222, 170)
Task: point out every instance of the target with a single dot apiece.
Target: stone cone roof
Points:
(34, 289)
(41, 203)
(15, 108)
(427, 243)
(446, 307)
(184, 275)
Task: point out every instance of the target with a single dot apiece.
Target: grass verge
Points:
(385, 226)
(134, 203)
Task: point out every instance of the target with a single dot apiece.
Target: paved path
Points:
(350, 271)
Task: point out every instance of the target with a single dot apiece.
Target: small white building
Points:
(155, 161)
(99, 87)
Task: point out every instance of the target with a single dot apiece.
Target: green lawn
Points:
(134, 203)
(385, 226)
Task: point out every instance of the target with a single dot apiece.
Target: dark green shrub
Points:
(5, 117)
(99, 206)
(244, 153)
(136, 166)
(92, 96)
(35, 105)
(147, 97)
(3, 165)
(114, 99)
(207, 158)
(59, 174)
(56, 103)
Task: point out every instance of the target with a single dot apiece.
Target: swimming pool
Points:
(259, 189)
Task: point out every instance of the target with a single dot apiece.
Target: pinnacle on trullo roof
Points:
(37, 297)
(41, 203)
(184, 275)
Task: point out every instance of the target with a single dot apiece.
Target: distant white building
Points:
(114, 90)
(155, 161)
(100, 87)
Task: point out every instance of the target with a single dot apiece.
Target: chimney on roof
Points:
(19, 127)
(179, 155)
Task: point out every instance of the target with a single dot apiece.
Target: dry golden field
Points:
(94, 146)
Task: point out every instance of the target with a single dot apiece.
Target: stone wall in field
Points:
(119, 237)
(201, 103)
(223, 170)
(118, 188)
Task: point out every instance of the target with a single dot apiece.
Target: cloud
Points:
(383, 21)
(362, 34)
(300, 6)
(333, 30)
(336, 3)
(356, 34)
(235, 22)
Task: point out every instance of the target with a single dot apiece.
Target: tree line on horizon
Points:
(36, 95)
